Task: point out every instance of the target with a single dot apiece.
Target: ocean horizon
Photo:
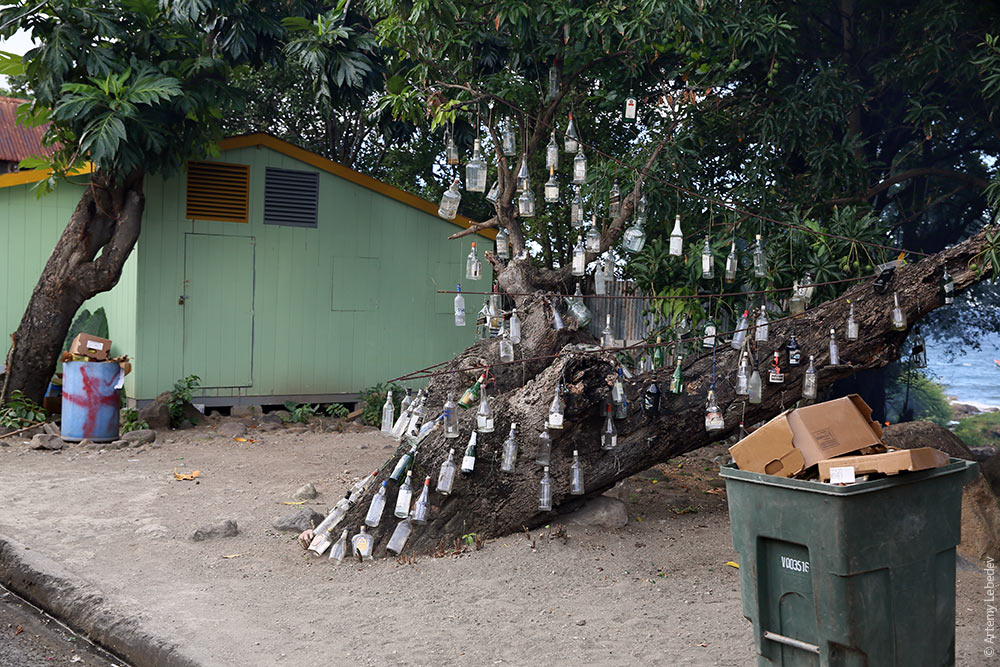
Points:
(969, 376)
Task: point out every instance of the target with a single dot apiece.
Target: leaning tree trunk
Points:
(490, 503)
(87, 260)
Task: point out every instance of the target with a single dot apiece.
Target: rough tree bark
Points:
(490, 503)
(87, 260)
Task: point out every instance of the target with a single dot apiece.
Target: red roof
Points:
(16, 141)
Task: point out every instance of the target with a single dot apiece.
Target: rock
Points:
(984, 453)
(156, 414)
(297, 430)
(86, 443)
(224, 528)
(271, 418)
(960, 411)
(214, 414)
(304, 519)
(599, 512)
(51, 429)
(305, 492)
(282, 416)
(265, 428)
(185, 424)
(143, 436)
(117, 444)
(351, 416)
(153, 530)
(246, 411)
(581, 622)
(47, 441)
(233, 430)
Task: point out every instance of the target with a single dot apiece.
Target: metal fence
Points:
(629, 321)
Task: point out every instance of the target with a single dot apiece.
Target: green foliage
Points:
(97, 324)
(130, 421)
(179, 396)
(980, 430)
(20, 411)
(76, 327)
(927, 400)
(338, 410)
(373, 399)
(298, 413)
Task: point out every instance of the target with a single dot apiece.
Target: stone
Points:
(305, 492)
(233, 430)
(599, 512)
(246, 411)
(51, 429)
(152, 530)
(984, 453)
(272, 418)
(139, 437)
(117, 444)
(185, 424)
(304, 519)
(86, 443)
(155, 414)
(269, 426)
(297, 430)
(47, 441)
(224, 528)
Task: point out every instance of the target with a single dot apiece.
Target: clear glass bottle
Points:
(556, 410)
(618, 389)
(761, 326)
(576, 209)
(852, 324)
(677, 379)
(423, 507)
(503, 244)
(473, 267)
(576, 476)
(579, 257)
(809, 380)
(543, 454)
(651, 400)
(484, 415)
(754, 393)
(450, 416)
(514, 326)
(475, 170)
(446, 476)
(741, 331)
(607, 334)
(898, 316)
(557, 320)
(339, 550)
(759, 259)
(545, 492)
(571, 141)
(794, 351)
(947, 288)
(459, 307)
(508, 458)
(552, 154)
(797, 301)
(834, 350)
(508, 139)
(506, 348)
(592, 242)
(707, 261)
(523, 182)
(677, 238)
(919, 349)
(709, 335)
(469, 459)
(361, 544)
(450, 147)
(388, 413)
(493, 196)
(714, 420)
(614, 201)
(448, 208)
(732, 264)
(634, 238)
(580, 168)
(552, 188)
(775, 375)
(399, 537)
(406, 400)
(553, 88)
(743, 376)
(376, 507)
(404, 496)
(609, 434)
(600, 278)
(578, 309)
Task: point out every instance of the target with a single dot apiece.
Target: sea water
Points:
(970, 376)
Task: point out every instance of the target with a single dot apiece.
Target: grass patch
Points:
(980, 430)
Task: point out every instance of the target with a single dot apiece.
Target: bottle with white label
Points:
(555, 419)
(446, 476)
(580, 167)
(579, 257)
(714, 420)
(707, 261)
(484, 415)
(469, 460)
(775, 376)
(809, 380)
(374, 515)
(404, 497)
(450, 416)
(545, 492)
(339, 550)
(509, 457)
(543, 455)
(609, 434)
(459, 307)
(576, 475)
(388, 413)
(677, 238)
(762, 325)
(710, 330)
(473, 267)
(361, 544)
(449, 202)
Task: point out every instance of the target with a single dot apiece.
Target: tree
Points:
(723, 140)
(133, 89)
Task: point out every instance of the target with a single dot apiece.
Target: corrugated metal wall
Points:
(629, 319)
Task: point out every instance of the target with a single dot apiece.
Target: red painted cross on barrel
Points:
(90, 401)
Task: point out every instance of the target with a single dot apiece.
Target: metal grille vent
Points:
(218, 191)
(291, 198)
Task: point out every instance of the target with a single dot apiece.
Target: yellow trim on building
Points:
(34, 176)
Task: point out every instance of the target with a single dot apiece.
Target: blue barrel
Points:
(90, 402)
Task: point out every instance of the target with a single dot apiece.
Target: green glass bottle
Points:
(677, 381)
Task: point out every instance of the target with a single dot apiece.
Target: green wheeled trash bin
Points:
(861, 575)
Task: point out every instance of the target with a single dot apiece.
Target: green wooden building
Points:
(272, 273)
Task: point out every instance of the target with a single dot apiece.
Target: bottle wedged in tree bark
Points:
(422, 508)
(361, 544)
(469, 460)
(339, 550)
(509, 457)
(852, 325)
(404, 496)
(834, 349)
(556, 408)
(377, 506)
(399, 537)
(446, 476)
(609, 434)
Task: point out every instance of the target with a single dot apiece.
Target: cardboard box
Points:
(890, 463)
(85, 345)
(798, 439)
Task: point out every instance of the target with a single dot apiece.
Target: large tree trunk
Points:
(87, 260)
(490, 503)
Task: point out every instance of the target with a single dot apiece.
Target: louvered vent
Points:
(291, 197)
(218, 191)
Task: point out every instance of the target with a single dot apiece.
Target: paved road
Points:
(29, 638)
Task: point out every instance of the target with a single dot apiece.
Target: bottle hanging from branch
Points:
(484, 415)
(834, 350)
(580, 168)
(579, 258)
(651, 400)
(483, 321)
(450, 200)
(473, 267)
(797, 301)
(506, 348)
(631, 107)
(743, 376)
(741, 330)
(469, 460)
(609, 434)
(556, 410)
(794, 351)
(775, 376)
(422, 508)
(459, 306)
(446, 476)
(919, 349)
(947, 288)
(509, 457)
(759, 259)
(614, 201)
(493, 196)
(475, 170)
(508, 140)
(762, 326)
(618, 397)
(545, 492)
(732, 264)
(607, 335)
(522, 182)
(677, 238)
(677, 380)
(578, 309)
(552, 188)
(399, 537)
(503, 244)
(809, 380)
(714, 420)
(634, 238)
(388, 413)
(515, 327)
(592, 243)
(552, 154)
(754, 394)
(707, 261)
(404, 496)
(543, 454)
(708, 341)
(600, 278)
(576, 476)
(376, 507)
(570, 139)
(576, 209)
(852, 324)
(553, 86)
(659, 353)
(450, 147)
(898, 317)
(450, 417)
(361, 544)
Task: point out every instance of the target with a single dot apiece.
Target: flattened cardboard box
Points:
(889, 463)
(86, 345)
(797, 439)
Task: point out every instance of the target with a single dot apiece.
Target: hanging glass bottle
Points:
(743, 376)
(762, 325)
(794, 351)
(557, 320)
(631, 107)
(898, 317)
(475, 170)
(659, 353)
(522, 175)
(473, 267)
(852, 324)
(592, 242)
(494, 194)
(552, 187)
(509, 456)
(503, 244)
(483, 321)
(571, 140)
(576, 476)
(388, 413)
(614, 201)
(741, 330)
(677, 380)
(484, 415)
(576, 209)
(834, 350)
(651, 400)
(714, 420)
(448, 208)
(634, 238)
(754, 393)
(555, 418)
(545, 492)
(796, 302)
(607, 335)
(579, 257)
(446, 476)
(677, 238)
(450, 416)
(514, 324)
(459, 307)
(732, 264)
(552, 154)
(809, 380)
(578, 309)
(618, 390)
(506, 348)
(600, 278)
(580, 168)
(526, 204)
(553, 84)
(543, 454)
(707, 261)
(759, 259)
(774, 375)
(947, 288)
(508, 140)
(450, 147)
(919, 349)
(609, 434)
(710, 330)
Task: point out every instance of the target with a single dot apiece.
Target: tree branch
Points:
(909, 174)
(475, 228)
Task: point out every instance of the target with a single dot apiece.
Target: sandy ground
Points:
(657, 589)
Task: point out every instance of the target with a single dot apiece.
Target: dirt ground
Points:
(657, 589)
